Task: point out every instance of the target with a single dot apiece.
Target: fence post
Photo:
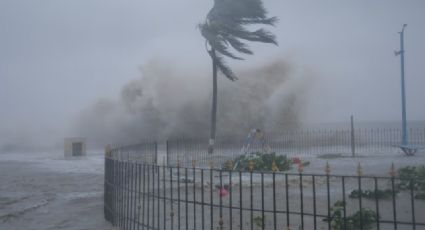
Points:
(393, 174)
(156, 153)
(167, 152)
(353, 148)
(108, 151)
(328, 171)
(105, 188)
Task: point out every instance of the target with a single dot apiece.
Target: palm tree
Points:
(223, 29)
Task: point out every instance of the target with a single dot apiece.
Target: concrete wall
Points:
(69, 150)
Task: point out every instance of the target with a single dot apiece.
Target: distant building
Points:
(75, 146)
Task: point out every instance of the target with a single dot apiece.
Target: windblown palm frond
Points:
(225, 28)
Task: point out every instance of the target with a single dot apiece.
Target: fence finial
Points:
(327, 168)
(392, 170)
(193, 163)
(178, 162)
(274, 167)
(359, 170)
(251, 165)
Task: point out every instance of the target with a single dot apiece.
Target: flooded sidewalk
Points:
(45, 191)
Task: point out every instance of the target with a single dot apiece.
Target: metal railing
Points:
(140, 194)
(309, 142)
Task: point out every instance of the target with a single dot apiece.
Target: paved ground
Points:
(45, 191)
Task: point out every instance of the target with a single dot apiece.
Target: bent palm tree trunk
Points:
(214, 105)
(224, 28)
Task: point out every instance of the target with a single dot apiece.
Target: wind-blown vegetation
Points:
(262, 162)
(226, 28)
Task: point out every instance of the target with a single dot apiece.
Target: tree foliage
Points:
(225, 28)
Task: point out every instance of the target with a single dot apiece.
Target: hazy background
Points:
(62, 60)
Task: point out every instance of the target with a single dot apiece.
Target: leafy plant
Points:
(366, 216)
(372, 194)
(412, 174)
(258, 221)
(260, 162)
(420, 195)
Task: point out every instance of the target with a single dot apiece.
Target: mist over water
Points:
(168, 102)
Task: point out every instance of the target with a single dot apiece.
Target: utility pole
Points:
(403, 93)
(353, 145)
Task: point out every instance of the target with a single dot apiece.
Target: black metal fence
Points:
(345, 142)
(144, 153)
(140, 194)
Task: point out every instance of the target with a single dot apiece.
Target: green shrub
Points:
(366, 216)
(413, 174)
(261, 162)
(420, 195)
(372, 194)
(258, 221)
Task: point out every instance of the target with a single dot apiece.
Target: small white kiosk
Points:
(75, 146)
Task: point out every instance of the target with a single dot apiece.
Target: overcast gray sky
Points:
(58, 57)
